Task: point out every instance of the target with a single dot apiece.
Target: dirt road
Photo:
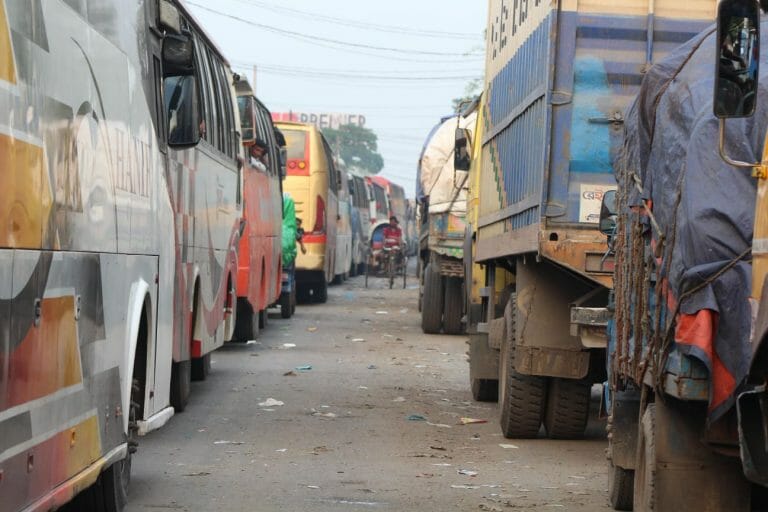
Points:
(338, 436)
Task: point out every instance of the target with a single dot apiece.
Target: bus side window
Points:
(205, 94)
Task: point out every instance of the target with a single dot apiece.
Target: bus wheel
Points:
(263, 318)
(321, 292)
(247, 324)
(181, 383)
(201, 367)
(286, 308)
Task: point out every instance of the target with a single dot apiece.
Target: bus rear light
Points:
(319, 216)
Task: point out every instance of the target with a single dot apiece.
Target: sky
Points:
(399, 63)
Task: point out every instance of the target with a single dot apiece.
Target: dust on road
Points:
(338, 436)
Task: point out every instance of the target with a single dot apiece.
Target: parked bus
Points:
(121, 205)
(361, 204)
(343, 257)
(260, 256)
(311, 182)
(395, 196)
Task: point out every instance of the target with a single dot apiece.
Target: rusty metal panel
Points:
(484, 358)
(552, 362)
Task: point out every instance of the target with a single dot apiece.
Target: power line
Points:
(314, 39)
(362, 24)
(387, 73)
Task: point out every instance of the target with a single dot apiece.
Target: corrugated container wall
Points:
(559, 76)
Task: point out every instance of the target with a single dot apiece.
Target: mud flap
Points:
(752, 408)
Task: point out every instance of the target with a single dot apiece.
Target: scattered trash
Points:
(252, 342)
(282, 450)
(419, 366)
(465, 487)
(199, 473)
(416, 417)
(254, 354)
(439, 448)
(311, 329)
(362, 387)
(271, 402)
(290, 374)
(323, 414)
(305, 368)
(382, 312)
(320, 449)
(467, 472)
(443, 465)
(399, 399)
(471, 421)
(509, 446)
(313, 487)
(236, 443)
(289, 345)
(359, 340)
(372, 367)
(403, 311)
(438, 425)
(576, 477)
(550, 487)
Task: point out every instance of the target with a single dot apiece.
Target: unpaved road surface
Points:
(342, 439)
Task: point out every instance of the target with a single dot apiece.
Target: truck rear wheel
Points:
(521, 397)
(485, 390)
(320, 291)
(432, 301)
(454, 306)
(675, 470)
(567, 408)
(263, 318)
(620, 487)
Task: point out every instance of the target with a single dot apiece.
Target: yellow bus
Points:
(313, 183)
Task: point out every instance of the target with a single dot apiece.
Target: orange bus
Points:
(313, 182)
(259, 261)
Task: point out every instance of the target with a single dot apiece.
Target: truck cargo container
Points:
(559, 76)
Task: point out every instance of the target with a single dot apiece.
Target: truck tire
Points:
(454, 306)
(620, 487)
(567, 408)
(263, 318)
(432, 301)
(645, 498)
(246, 323)
(521, 397)
(485, 390)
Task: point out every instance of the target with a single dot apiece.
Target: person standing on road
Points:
(300, 236)
(290, 232)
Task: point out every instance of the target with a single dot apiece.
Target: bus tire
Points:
(286, 308)
(432, 301)
(521, 397)
(454, 306)
(321, 292)
(246, 324)
(181, 384)
(567, 408)
(263, 318)
(201, 367)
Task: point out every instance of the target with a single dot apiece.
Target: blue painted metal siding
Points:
(552, 109)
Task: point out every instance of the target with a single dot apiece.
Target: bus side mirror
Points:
(462, 156)
(608, 214)
(738, 57)
(178, 55)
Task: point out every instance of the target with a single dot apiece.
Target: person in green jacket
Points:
(289, 231)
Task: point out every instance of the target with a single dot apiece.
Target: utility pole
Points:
(253, 86)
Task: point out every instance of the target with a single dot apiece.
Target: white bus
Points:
(120, 209)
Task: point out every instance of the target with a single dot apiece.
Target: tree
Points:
(357, 146)
(471, 91)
